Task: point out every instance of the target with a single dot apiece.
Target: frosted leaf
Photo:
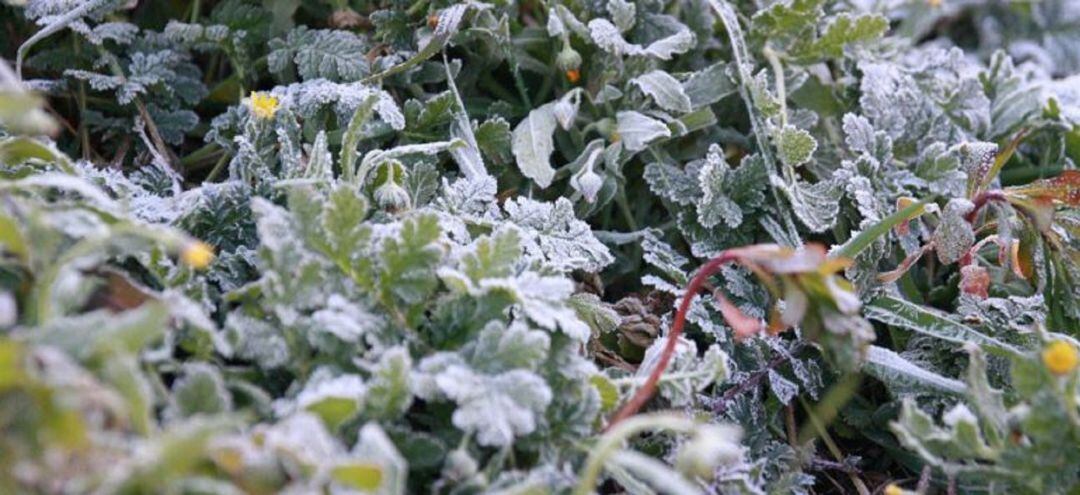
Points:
(501, 348)
(304, 438)
(904, 377)
(664, 258)
(544, 301)
(344, 319)
(497, 408)
(566, 108)
(532, 145)
(256, 340)
(636, 130)
(607, 36)
(472, 198)
(715, 205)
(815, 205)
(782, 388)
(389, 390)
(623, 13)
(687, 374)
(309, 97)
(200, 389)
(374, 445)
(335, 399)
(709, 85)
(795, 146)
(566, 22)
(954, 236)
(320, 53)
(551, 232)
(672, 183)
(678, 43)
(664, 89)
(555, 25)
(122, 33)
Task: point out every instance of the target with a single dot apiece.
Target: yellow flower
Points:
(1060, 357)
(892, 489)
(263, 105)
(197, 254)
(934, 3)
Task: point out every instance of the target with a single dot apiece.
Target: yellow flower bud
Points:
(197, 254)
(1060, 357)
(892, 489)
(263, 105)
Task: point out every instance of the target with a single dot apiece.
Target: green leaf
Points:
(389, 393)
(609, 393)
(366, 477)
(786, 18)
(407, 264)
(904, 377)
(494, 256)
(200, 390)
(346, 236)
(864, 239)
(903, 314)
(841, 31)
(795, 146)
(319, 53)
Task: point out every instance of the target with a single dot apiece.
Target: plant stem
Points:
(649, 387)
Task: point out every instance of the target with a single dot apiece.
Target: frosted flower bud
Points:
(391, 196)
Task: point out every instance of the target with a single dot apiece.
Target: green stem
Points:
(612, 441)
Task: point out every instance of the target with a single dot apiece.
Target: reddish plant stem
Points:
(980, 200)
(643, 394)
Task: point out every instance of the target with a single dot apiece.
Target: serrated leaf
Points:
(815, 205)
(320, 53)
(795, 146)
(406, 264)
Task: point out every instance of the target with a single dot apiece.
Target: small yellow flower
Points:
(1060, 357)
(263, 105)
(892, 489)
(934, 3)
(197, 254)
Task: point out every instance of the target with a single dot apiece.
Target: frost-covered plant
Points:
(679, 246)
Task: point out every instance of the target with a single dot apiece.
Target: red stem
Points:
(649, 387)
(980, 201)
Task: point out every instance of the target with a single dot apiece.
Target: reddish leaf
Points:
(975, 280)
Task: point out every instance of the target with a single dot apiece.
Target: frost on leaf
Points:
(320, 53)
(636, 130)
(552, 232)
(954, 235)
(532, 145)
(727, 191)
(664, 89)
(815, 205)
(795, 146)
(688, 373)
(544, 300)
(672, 183)
(496, 407)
